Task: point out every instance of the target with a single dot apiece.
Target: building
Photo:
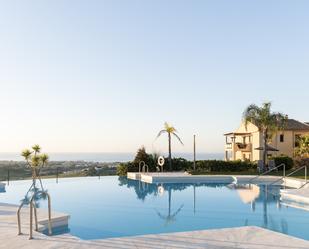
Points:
(246, 143)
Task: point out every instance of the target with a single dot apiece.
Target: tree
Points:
(268, 122)
(170, 130)
(303, 147)
(141, 155)
(35, 161)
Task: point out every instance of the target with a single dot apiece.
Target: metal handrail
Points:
(268, 171)
(304, 184)
(32, 206)
(145, 167)
(303, 167)
(18, 218)
(141, 165)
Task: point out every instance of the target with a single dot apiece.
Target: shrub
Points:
(179, 164)
(224, 166)
(122, 169)
(288, 161)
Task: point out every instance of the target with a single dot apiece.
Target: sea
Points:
(106, 156)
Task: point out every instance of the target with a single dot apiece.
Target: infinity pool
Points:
(112, 207)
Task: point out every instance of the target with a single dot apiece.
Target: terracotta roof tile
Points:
(293, 124)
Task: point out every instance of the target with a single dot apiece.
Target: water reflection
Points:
(254, 195)
(143, 190)
(2, 188)
(170, 217)
(37, 195)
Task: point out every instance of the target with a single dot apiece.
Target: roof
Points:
(237, 133)
(295, 125)
(291, 125)
(269, 148)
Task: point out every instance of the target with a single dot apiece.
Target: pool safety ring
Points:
(161, 190)
(161, 161)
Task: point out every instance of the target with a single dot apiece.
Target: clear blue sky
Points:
(103, 76)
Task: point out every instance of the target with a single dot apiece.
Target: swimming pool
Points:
(113, 207)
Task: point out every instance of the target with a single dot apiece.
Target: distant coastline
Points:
(105, 157)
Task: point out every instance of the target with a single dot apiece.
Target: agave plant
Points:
(35, 161)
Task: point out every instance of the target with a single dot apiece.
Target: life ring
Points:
(161, 161)
(161, 190)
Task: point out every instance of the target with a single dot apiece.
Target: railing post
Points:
(18, 221)
(35, 217)
(284, 176)
(306, 173)
(31, 211)
(49, 216)
(8, 177)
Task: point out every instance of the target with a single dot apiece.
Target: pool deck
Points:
(242, 237)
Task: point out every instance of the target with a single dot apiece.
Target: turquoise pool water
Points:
(114, 207)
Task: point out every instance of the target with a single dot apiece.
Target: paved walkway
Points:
(242, 237)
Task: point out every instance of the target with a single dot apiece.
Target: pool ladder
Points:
(143, 167)
(268, 171)
(303, 167)
(33, 209)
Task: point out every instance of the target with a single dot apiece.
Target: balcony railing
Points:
(243, 147)
(228, 146)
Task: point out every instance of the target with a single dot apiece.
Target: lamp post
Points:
(194, 152)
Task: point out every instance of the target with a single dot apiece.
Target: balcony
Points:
(243, 147)
(228, 146)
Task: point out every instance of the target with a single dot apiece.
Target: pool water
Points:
(113, 207)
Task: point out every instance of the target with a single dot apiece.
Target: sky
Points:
(104, 76)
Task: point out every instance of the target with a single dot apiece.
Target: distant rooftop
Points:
(293, 124)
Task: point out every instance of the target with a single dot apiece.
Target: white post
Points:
(284, 175)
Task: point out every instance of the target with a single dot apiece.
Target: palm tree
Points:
(170, 130)
(268, 122)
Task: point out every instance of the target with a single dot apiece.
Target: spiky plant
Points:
(35, 161)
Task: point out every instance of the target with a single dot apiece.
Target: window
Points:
(297, 137)
(281, 138)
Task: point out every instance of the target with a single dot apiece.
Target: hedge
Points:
(288, 161)
(224, 166)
